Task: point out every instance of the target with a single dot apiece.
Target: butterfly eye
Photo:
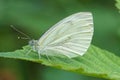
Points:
(31, 43)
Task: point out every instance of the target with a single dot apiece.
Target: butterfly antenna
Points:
(26, 36)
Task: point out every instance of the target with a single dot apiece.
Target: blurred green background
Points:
(34, 17)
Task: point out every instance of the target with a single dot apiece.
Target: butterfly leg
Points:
(48, 58)
(39, 54)
(28, 51)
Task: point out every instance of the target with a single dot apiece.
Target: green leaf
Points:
(118, 4)
(96, 62)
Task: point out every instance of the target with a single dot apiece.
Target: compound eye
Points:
(31, 43)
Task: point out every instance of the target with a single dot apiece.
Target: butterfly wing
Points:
(71, 36)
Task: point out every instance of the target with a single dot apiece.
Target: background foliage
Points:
(34, 17)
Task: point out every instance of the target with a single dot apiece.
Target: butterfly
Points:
(70, 37)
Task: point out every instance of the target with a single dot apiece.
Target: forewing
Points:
(71, 36)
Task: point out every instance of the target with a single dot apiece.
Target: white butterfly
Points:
(70, 37)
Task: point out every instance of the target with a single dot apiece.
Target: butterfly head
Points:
(34, 44)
